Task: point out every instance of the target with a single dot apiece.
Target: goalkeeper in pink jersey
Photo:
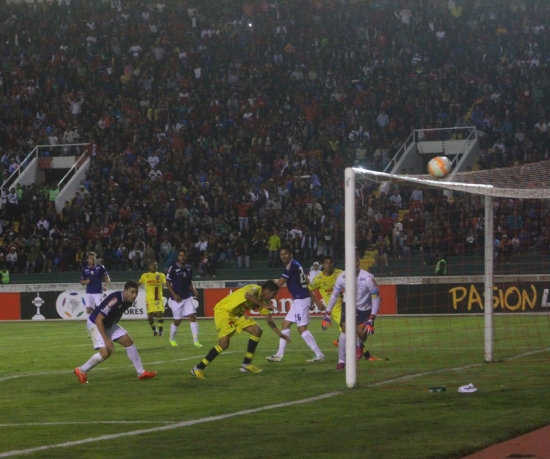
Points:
(367, 306)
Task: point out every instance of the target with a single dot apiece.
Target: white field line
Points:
(163, 362)
(444, 370)
(169, 427)
(70, 423)
(243, 412)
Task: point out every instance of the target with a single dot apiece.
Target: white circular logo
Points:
(71, 305)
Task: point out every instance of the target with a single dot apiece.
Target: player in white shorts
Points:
(104, 331)
(93, 300)
(299, 312)
(183, 308)
(180, 285)
(296, 281)
(92, 276)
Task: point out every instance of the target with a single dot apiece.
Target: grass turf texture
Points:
(389, 414)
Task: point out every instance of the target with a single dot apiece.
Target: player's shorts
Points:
(337, 314)
(299, 312)
(154, 306)
(229, 324)
(183, 308)
(115, 332)
(93, 299)
(360, 315)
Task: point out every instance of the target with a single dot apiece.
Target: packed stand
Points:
(214, 128)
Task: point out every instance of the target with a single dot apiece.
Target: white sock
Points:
(134, 357)
(310, 341)
(94, 360)
(342, 348)
(282, 342)
(173, 330)
(359, 342)
(194, 331)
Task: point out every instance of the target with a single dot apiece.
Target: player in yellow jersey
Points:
(324, 283)
(154, 301)
(230, 318)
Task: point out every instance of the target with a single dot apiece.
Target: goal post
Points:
(351, 287)
(526, 182)
(489, 333)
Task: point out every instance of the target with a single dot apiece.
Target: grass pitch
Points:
(293, 408)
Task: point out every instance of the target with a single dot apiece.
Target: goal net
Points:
(461, 264)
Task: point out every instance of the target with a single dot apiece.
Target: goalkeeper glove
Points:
(369, 325)
(327, 322)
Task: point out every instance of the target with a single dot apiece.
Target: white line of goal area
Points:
(220, 417)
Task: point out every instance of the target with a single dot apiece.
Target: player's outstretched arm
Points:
(273, 325)
(315, 301)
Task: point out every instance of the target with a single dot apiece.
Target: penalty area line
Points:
(70, 423)
(169, 427)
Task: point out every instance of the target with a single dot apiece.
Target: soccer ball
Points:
(439, 166)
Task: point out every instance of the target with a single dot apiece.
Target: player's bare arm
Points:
(193, 289)
(315, 301)
(273, 325)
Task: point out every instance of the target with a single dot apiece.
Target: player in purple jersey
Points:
(180, 285)
(296, 281)
(92, 276)
(104, 329)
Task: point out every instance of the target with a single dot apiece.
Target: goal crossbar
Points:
(468, 184)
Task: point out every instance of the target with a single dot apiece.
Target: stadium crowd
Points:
(224, 129)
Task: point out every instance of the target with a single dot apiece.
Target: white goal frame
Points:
(350, 293)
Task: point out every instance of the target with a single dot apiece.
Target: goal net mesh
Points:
(424, 240)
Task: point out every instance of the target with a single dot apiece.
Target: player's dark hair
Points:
(270, 285)
(182, 250)
(131, 284)
(286, 247)
(327, 257)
